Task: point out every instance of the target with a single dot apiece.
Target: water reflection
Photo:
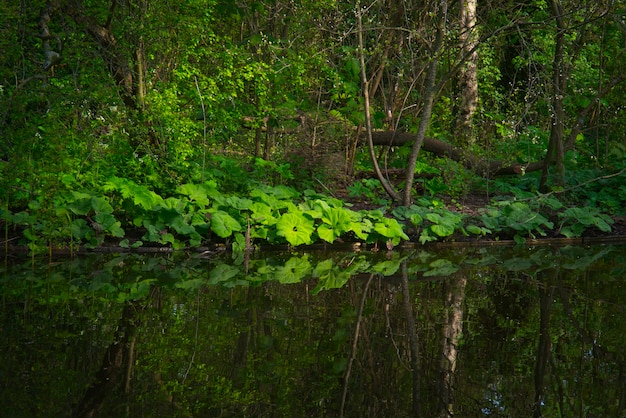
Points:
(464, 332)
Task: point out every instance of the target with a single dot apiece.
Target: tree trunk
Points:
(468, 75)
(427, 108)
(113, 56)
(559, 83)
(368, 120)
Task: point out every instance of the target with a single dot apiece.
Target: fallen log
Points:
(482, 166)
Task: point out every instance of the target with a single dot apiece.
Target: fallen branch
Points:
(487, 168)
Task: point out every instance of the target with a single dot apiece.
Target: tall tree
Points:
(468, 74)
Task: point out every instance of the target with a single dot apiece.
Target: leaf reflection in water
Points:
(507, 330)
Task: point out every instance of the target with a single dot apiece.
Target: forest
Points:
(182, 124)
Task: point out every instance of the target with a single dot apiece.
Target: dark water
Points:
(502, 332)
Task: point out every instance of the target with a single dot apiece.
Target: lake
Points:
(494, 331)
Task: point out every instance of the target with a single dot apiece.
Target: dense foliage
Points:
(181, 123)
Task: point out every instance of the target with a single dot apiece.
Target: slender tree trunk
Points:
(140, 79)
(427, 108)
(559, 83)
(368, 119)
(353, 349)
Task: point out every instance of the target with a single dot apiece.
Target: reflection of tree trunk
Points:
(355, 340)
(452, 329)
(112, 375)
(410, 320)
(544, 347)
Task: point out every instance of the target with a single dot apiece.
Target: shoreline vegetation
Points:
(124, 216)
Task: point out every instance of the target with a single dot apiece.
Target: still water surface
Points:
(498, 332)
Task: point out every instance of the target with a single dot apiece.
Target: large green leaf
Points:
(141, 195)
(109, 224)
(223, 224)
(262, 213)
(337, 221)
(238, 203)
(390, 228)
(387, 267)
(100, 205)
(195, 192)
(223, 273)
(296, 228)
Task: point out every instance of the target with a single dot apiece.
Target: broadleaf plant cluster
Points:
(132, 215)
(129, 215)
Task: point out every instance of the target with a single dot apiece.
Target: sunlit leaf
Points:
(296, 228)
(337, 221)
(194, 192)
(390, 228)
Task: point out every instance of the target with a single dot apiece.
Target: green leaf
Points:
(477, 230)
(109, 224)
(262, 213)
(387, 267)
(416, 219)
(296, 228)
(337, 221)
(100, 205)
(81, 206)
(141, 195)
(80, 229)
(390, 228)
(195, 192)
(238, 203)
(442, 230)
(223, 224)
(426, 237)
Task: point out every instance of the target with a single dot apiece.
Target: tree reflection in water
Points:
(472, 332)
